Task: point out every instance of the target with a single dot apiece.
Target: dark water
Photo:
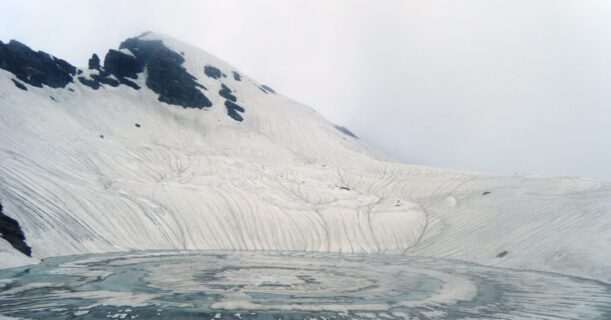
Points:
(247, 285)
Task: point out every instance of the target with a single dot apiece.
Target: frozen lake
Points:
(255, 285)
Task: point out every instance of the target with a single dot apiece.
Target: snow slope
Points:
(282, 179)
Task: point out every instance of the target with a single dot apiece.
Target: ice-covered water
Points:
(281, 285)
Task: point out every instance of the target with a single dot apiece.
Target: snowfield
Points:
(81, 177)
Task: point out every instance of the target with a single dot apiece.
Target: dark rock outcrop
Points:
(94, 62)
(122, 65)
(233, 109)
(213, 72)
(227, 93)
(10, 231)
(92, 83)
(129, 83)
(267, 89)
(19, 85)
(237, 76)
(106, 80)
(35, 68)
(345, 131)
(118, 67)
(166, 75)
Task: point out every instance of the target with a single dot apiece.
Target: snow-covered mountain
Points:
(163, 146)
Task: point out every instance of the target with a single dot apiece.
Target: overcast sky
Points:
(490, 86)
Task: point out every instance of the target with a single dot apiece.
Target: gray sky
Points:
(492, 86)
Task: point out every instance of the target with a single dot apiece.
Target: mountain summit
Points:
(160, 145)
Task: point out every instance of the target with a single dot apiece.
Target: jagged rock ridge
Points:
(35, 68)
